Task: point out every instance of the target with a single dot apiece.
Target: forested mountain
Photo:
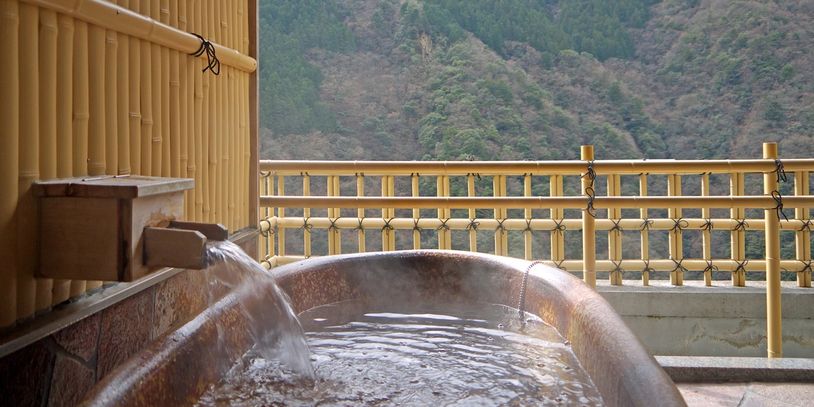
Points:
(534, 79)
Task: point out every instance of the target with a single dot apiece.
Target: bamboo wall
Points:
(90, 88)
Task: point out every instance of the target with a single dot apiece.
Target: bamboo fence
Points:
(95, 87)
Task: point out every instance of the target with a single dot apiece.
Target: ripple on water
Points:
(477, 354)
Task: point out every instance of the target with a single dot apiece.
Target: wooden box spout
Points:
(117, 228)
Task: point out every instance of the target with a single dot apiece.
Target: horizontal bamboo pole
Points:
(571, 167)
(113, 17)
(628, 266)
(757, 201)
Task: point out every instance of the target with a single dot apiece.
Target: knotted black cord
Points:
(647, 268)
(415, 224)
(500, 225)
(307, 226)
(213, 64)
(778, 199)
(615, 225)
(473, 225)
(559, 263)
(741, 266)
(679, 225)
(710, 267)
(443, 225)
(558, 226)
(387, 225)
(589, 190)
(679, 266)
(707, 225)
(528, 226)
(646, 224)
(333, 224)
(360, 226)
(806, 266)
(617, 266)
(780, 170)
(741, 225)
(806, 225)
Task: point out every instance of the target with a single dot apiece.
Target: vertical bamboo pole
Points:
(802, 237)
(644, 233)
(444, 240)
(209, 117)
(111, 107)
(9, 144)
(338, 241)
(706, 234)
(737, 236)
(557, 235)
(175, 95)
(81, 112)
(306, 213)
(588, 225)
(220, 134)
(166, 85)
(65, 97)
(122, 80)
(146, 98)
(527, 237)
(774, 332)
(96, 103)
(230, 160)
(414, 191)
(64, 121)
(497, 191)
(281, 215)
(675, 237)
(615, 235)
(28, 161)
(185, 99)
(473, 233)
(268, 182)
(134, 87)
(387, 233)
(158, 88)
(360, 213)
(48, 290)
(332, 214)
(198, 166)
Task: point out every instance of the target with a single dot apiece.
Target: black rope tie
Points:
(387, 226)
(741, 225)
(473, 225)
(806, 266)
(646, 224)
(500, 226)
(741, 266)
(778, 199)
(806, 225)
(710, 267)
(589, 190)
(679, 266)
(558, 226)
(559, 263)
(647, 268)
(213, 64)
(443, 225)
(307, 226)
(617, 266)
(616, 226)
(415, 225)
(779, 170)
(528, 226)
(361, 226)
(707, 225)
(679, 225)
(333, 224)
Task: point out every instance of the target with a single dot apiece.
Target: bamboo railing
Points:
(279, 175)
(93, 87)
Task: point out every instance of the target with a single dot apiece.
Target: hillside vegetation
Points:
(534, 79)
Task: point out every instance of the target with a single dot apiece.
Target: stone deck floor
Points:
(748, 394)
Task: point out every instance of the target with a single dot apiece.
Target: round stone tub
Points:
(178, 368)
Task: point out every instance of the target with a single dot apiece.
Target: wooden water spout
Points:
(118, 228)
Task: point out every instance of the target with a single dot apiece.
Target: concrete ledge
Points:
(705, 369)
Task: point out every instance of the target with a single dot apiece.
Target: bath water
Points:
(276, 331)
(432, 354)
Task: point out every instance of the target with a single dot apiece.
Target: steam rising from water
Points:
(275, 328)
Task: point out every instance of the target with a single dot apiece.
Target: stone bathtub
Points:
(178, 368)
